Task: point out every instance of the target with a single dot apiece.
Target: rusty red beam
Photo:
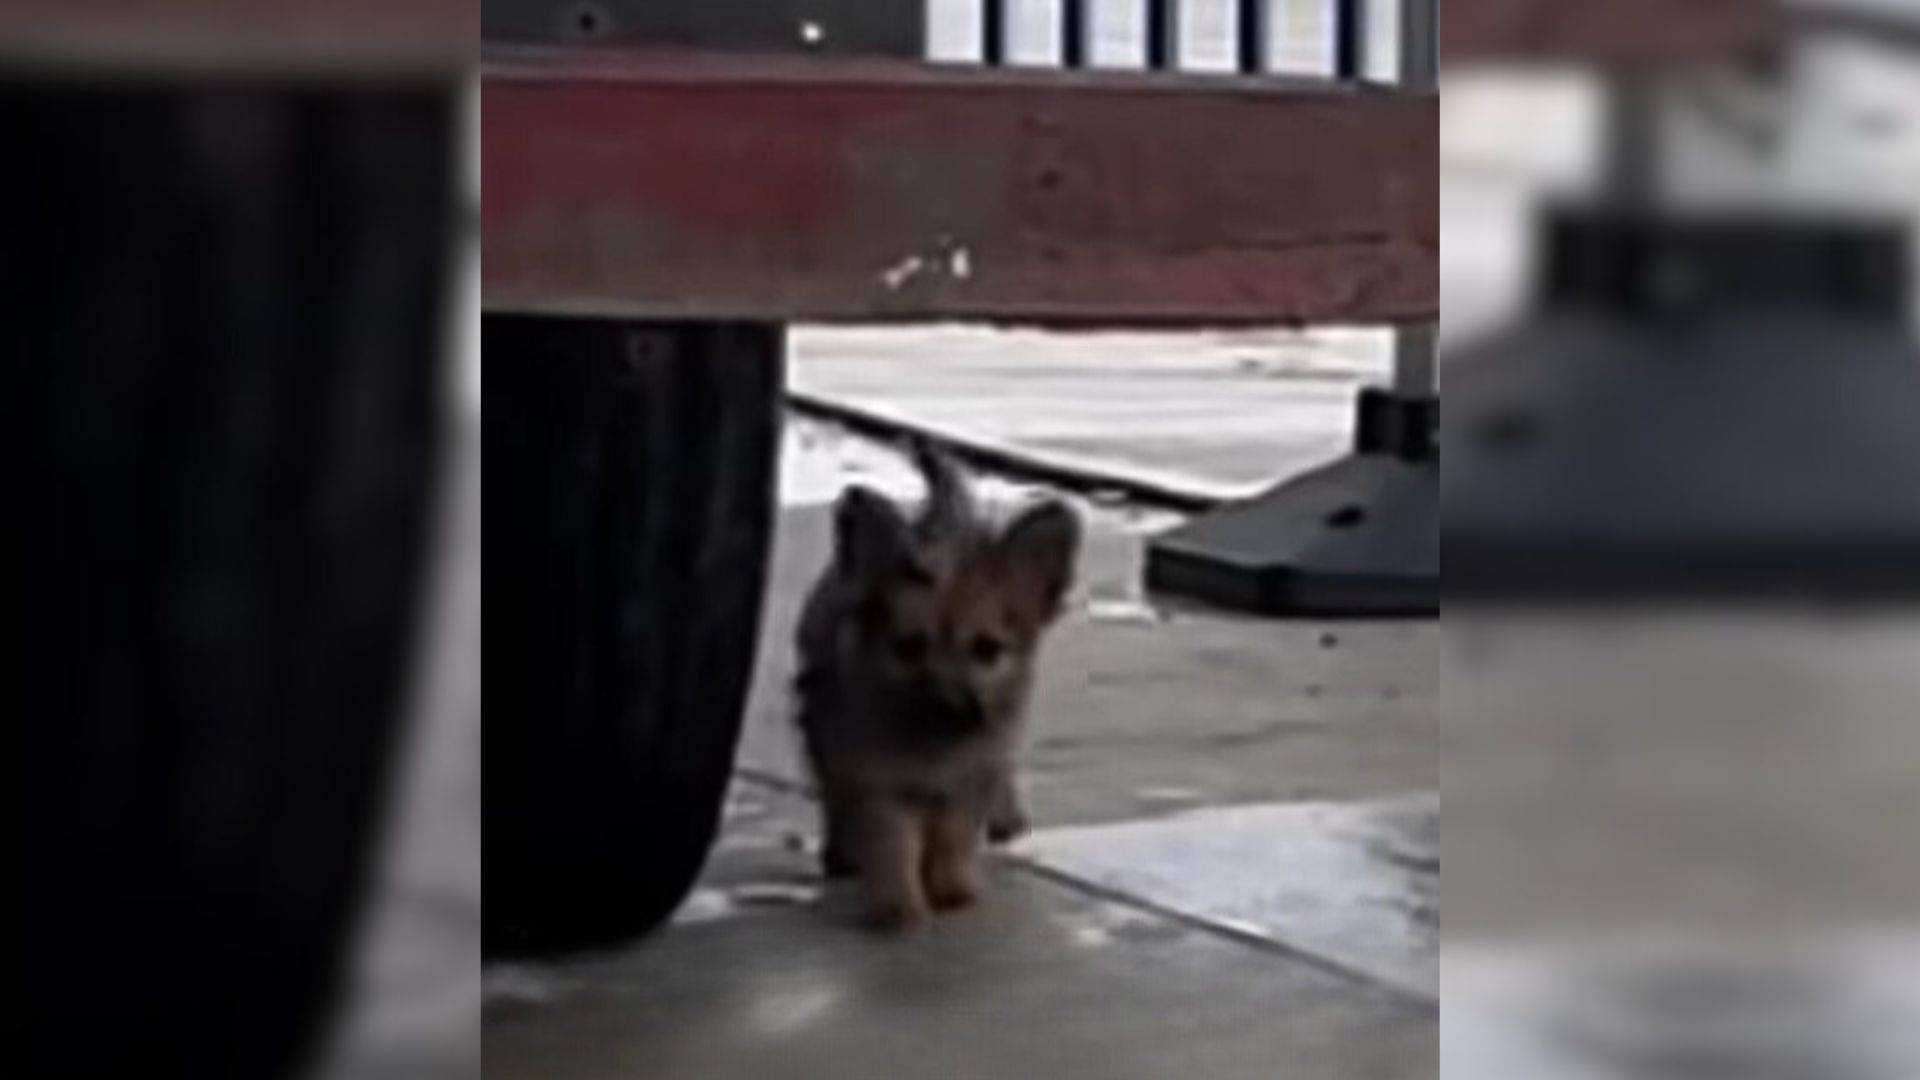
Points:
(323, 37)
(649, 185)
(1608, 32)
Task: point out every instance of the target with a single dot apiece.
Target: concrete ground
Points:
(1235, 871)
(1220, 413)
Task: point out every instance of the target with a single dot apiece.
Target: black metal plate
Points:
(837, 27)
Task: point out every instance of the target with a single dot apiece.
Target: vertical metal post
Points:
(1420, 44)
(1254, 26)
(993, 32)
(1076, 37)
(1163, 34)
(1416, 369)
(1350, 25)
(1632, 152)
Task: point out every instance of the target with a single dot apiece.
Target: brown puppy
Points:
(916, 658)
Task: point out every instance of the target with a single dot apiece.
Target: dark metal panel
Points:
(1255, 22)
(1350, 39)
(1163, 34)
(837, 27)
(993, 32)
(659, 186)
(1076, 33)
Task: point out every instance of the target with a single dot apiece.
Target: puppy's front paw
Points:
(898, 917)
(953, 892)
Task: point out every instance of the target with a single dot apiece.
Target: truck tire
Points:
(630, 506)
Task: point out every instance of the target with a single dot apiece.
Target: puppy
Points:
(916, 654)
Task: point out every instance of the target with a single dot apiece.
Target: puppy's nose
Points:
(957, 706)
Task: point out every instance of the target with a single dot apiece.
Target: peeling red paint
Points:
(732, 187)
(666, 159)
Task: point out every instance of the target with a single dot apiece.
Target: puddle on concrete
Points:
(1124, 610)
(768, 894)
(1107, 925)
(1353, 883)
(705, 906)
(712, 904)
(1165, 796)
(782, 1006)
(521, 984)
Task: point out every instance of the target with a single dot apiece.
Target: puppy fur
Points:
(916, 654)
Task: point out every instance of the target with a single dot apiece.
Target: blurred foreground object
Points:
(225, 269)
(383, 38)
(1677, 832)
(1630, 32)
(1712, 397)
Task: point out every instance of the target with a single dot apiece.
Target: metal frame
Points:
(783, 189)
(818, 27)
(788, 189)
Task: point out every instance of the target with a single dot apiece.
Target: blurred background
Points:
(1670, 795)
(241, 293)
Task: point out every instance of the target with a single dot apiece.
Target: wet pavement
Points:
(763, 979)
(1234, 873)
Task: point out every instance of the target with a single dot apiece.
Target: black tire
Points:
(630, 506)
(223, 332)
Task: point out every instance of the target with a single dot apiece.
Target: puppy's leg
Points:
(953, 856)
(1006, 814)
(840, 829)
(892, 835)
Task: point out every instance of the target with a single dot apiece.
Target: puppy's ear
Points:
(948, 511)
(870, 535)
(1037, 553)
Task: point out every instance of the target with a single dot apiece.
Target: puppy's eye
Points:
(985, 649)
(910, 648)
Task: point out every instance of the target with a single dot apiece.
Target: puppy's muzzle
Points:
(952, 709)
